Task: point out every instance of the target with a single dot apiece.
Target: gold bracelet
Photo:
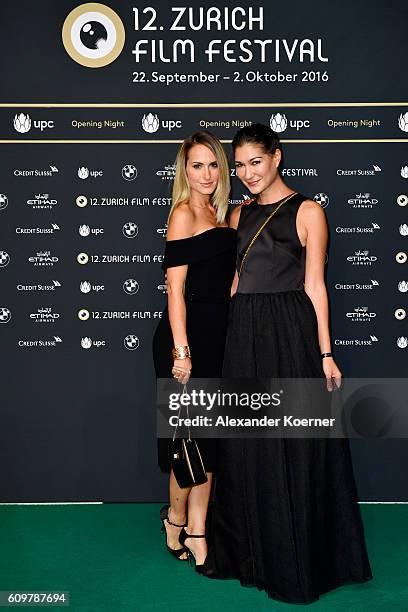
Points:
(181, 352)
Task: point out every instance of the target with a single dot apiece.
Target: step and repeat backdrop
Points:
(94, 103)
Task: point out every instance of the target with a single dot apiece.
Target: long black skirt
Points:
(285, 516)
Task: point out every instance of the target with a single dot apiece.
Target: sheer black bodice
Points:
(276, 261)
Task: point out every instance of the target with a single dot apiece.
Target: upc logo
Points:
(403, 122)
(150, 123)
(22, 124)
(278, 122)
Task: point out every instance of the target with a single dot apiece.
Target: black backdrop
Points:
(78, 423)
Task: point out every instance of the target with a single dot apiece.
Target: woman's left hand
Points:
(331, 371)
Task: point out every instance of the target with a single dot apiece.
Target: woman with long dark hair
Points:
(286, 517)
(189, 340)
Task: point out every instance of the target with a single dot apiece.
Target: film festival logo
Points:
(93, 35)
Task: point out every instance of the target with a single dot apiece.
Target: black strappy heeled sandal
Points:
(164, 516)
(202, 568)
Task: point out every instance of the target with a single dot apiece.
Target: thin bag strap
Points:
(261, 228)
(178, 415)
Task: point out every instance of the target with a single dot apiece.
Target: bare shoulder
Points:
(181, 223)
(311, 212)
(236, 213)
(234, 216)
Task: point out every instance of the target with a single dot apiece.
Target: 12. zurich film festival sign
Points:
(94, 36)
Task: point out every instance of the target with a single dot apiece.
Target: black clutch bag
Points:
(185, 458)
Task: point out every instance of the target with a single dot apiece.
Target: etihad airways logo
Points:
(42, 200)
(361, 314)
(362, 200)
(43, 258)
(167, 173)
(362, 258)
(44, 315)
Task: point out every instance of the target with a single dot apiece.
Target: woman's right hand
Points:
(182, 369)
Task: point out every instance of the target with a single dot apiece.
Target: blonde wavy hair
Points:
(181, 186)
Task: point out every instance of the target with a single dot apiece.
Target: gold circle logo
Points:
(83, 314)
(82, 258)
(93, 35)
(81, 201)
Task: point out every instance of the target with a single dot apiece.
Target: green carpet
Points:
(112, 557)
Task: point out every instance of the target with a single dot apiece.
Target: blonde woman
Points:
(200, 264)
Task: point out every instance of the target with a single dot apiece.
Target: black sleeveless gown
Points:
(211, 259)
(285, 513)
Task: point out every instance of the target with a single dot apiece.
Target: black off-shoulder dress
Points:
(211, 258)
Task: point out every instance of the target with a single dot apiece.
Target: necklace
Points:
(277, 202)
